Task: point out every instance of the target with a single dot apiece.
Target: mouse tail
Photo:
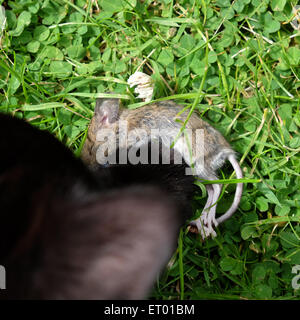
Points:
(238, 191)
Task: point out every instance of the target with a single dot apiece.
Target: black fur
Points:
(171, 178)
(66, 233)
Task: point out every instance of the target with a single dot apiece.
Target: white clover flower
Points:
(144, 85)
(2, 19)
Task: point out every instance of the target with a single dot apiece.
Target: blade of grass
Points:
(180, 263)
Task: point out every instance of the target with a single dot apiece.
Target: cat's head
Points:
(68, 238)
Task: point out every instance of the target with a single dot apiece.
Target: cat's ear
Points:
(107, 110)
(139, 229)
(113, 248)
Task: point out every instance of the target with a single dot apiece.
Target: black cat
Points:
(68, 233)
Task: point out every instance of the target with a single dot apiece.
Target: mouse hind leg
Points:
(207, 220)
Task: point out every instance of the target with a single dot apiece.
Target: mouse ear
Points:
(106, 113)
(110, 248)
(107, 110)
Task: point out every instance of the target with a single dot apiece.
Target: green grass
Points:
(236, 62)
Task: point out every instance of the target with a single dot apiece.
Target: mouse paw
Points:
(211, 218)
(204, 229)
(207, 221)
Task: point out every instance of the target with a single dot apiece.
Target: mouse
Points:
(162, 118)
(69, 233)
